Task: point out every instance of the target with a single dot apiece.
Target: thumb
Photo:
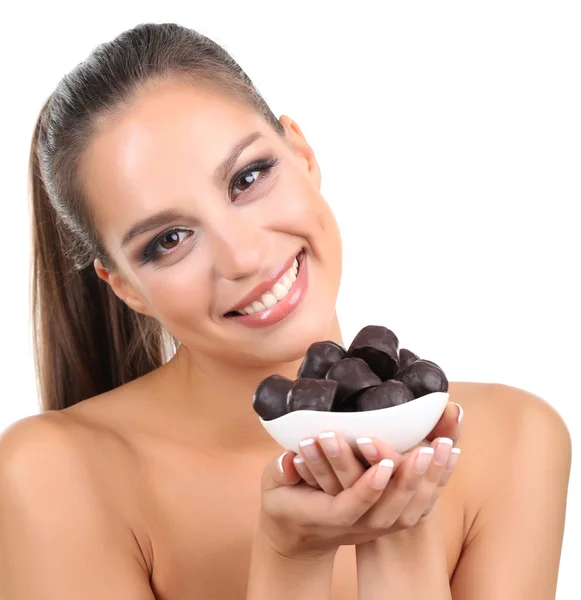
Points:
(448, 425)
(280, 471)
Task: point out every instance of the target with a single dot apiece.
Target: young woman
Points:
(168, 198)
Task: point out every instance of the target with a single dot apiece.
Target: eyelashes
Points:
(150, 253)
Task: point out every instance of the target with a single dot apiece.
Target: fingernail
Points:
(460, 412)
(454, 455)
(279, 463)
(424, 459)
(328, 441)
(298, 460)
(310, 450)
(367, 448)
(442, 451)
(383, 474)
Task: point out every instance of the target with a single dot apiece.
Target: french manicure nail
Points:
(367, 447)
(460, 412)
(423, 460)
(310, 450)
(328, 441)
(453, 459)
(442, 451)
(279, 463)
(383, 474)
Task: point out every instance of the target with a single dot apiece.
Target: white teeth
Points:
(258, 307)
(279, 291)
(269, 300)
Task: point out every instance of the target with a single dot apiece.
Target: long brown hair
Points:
(86, 341)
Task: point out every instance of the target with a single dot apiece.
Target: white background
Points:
(449, 137)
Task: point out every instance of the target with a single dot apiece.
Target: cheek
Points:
(298, 208)
(177, 295)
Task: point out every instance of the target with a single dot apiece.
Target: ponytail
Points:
(85, 340)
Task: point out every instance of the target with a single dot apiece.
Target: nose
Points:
(239, 247)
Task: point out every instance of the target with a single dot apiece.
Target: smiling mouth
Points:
(274, 295)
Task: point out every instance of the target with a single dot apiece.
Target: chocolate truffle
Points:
(423, 377)
(378, 347)
(269, 399)
(406, 358)
(352, 375)
(312, 394)
(319, 357)
(387, 394)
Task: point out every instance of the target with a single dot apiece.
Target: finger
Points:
(374, 450)
(319, 466)
(450, 466)
(449, 423)
(341, 458)
(304, 472)
(280, 471)
(352, 503)
(446, 475)
(421, 501)
(403, 486)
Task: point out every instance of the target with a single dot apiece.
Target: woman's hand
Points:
(344, 503)
(330, 464)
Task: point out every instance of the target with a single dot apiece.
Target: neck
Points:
(217, 398)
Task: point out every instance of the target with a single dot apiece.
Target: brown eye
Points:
(164, 244)
(170, 240)
(246, 181)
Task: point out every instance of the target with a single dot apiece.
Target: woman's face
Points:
(202, 228)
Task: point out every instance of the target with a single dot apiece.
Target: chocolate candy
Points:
(270, 397)
(373, 373)
(378, 347)
(423, 377)
(312, 394)
(406, 358)
(319, 357)
(352, 375)
(387, 394)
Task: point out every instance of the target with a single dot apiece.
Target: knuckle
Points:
(407, 521)
(408, 484)
(342, 519)
(381, 523)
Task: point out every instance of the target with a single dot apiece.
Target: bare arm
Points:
(514, 548)
(58, 539)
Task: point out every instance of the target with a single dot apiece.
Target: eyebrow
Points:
(166, 216)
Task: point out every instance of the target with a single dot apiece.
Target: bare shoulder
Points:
(52, 455)
(510, 437)
(54, 489)
(498, 414)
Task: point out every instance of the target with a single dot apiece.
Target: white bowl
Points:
(402, 427)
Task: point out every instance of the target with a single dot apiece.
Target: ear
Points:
(301, 147)
(121, 288)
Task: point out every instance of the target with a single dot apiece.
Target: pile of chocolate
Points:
(373, 373)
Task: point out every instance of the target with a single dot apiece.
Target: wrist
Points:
(277, 572)
(290, 550)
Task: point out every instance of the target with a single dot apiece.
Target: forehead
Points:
(161, 150)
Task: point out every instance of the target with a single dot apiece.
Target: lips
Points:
(256, 293)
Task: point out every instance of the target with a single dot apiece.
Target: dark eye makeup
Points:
(150, 254)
